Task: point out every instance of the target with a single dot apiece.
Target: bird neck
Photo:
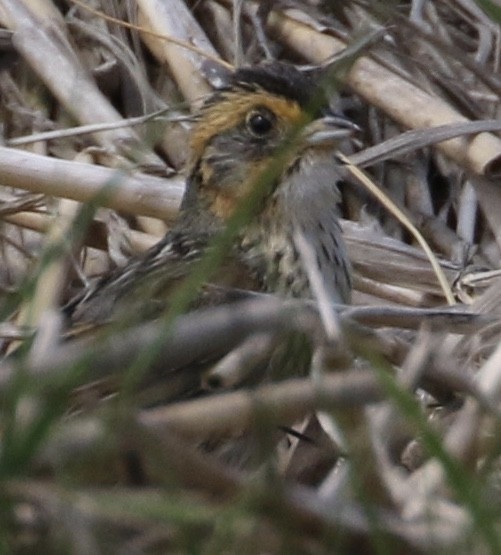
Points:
(194, 212)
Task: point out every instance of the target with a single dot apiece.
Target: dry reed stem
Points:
(42, 308)
(227, 413)
(410, 106)
(59, 67)
(139, 242)
(133, 193)
(489, 199)
(174, 19)
(405, 266)
(405, 221)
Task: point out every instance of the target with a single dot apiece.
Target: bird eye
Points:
(260, 123)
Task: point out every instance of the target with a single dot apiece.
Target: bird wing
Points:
(143, 280)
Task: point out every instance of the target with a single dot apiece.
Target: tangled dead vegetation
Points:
(390, 442)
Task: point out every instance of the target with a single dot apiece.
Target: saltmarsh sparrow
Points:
(263, 115)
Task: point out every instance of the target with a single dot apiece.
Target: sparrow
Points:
(267, 138)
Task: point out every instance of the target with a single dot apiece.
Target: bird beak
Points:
(328, 130)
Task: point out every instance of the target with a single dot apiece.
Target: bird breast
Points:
(306, 202)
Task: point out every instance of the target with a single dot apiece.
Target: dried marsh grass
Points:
(378, 429)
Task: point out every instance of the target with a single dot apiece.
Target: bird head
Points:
(262, 113)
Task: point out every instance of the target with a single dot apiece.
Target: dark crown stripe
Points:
(276, 78)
